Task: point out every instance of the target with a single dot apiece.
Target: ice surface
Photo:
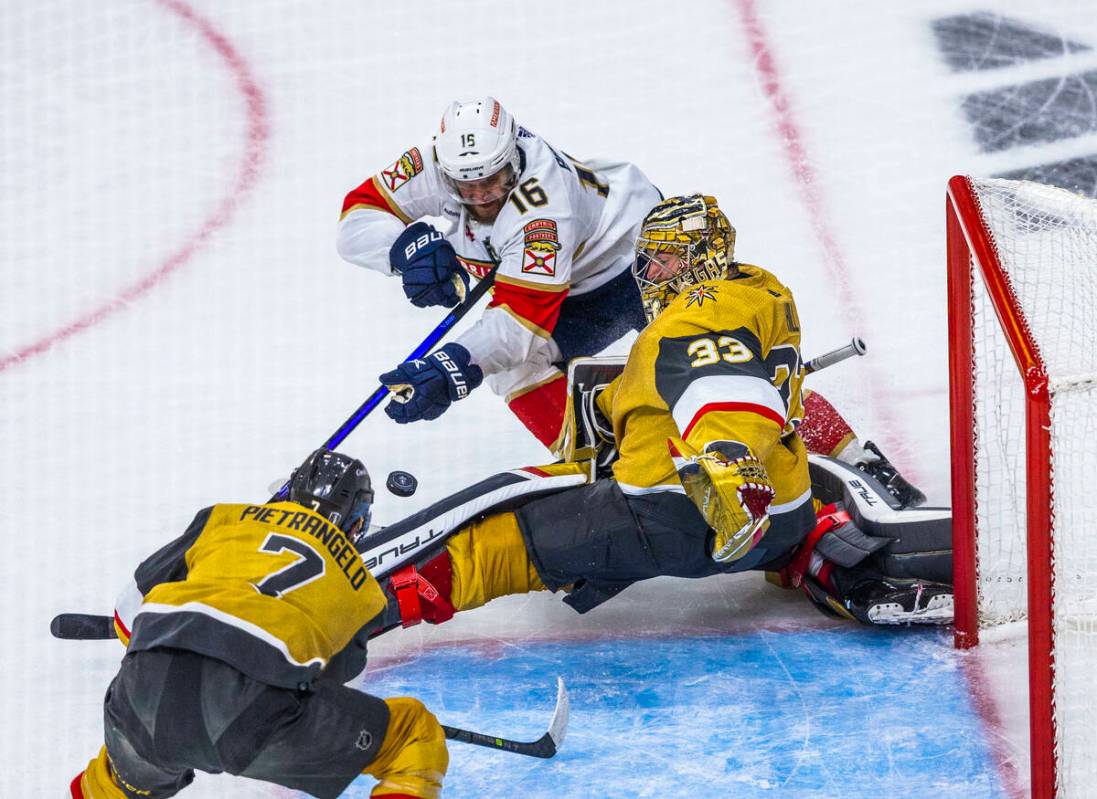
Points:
(812, 714)
(176, 329)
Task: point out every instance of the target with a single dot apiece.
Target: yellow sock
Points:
(489, 560)
(413, 757)
(97, 781)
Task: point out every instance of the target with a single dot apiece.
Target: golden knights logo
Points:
(542, 244)
(698, 295)
(406, 167)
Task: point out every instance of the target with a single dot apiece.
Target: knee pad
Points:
(413, 757)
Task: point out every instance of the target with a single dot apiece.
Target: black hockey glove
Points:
(424, 389)
(428, 265)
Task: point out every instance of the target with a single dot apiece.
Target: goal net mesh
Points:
(1046, 241)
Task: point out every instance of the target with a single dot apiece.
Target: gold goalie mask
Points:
(683, 241)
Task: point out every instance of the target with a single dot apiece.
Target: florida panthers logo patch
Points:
(698, 295)
(541, 246)
(406, 167)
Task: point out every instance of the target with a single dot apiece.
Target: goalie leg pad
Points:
(824, 430)
(836, 540)
(845, 573)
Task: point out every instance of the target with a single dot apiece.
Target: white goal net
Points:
(1024, 344)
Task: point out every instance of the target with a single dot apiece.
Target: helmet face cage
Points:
(337, 487)
(683, 241)
(477, 141)
(498, 188)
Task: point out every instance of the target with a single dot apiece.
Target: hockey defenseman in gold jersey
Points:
(240, 636)
(708, 473)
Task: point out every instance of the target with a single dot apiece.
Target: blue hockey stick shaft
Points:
(425, 346)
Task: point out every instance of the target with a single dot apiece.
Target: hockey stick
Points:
(91, 626)
(855, 347)
(425, 346)
(82, 626)
(545, 746)
(86, 627)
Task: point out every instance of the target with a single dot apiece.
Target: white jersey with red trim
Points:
(568, 227)
(720, 363)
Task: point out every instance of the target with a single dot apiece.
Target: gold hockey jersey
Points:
(722, 362)
(274, 590)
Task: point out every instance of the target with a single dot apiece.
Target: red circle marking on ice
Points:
(246, 178)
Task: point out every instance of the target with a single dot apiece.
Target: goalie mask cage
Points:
(1022, 285)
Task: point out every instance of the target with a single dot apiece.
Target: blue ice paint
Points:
(844, 713)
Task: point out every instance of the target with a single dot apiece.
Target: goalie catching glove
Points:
(731, 489)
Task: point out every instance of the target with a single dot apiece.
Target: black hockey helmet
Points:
(337, 487)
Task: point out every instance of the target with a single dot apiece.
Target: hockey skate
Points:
(882, 470)
(897, 601)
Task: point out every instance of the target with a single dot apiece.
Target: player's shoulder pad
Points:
(757, 276)
(412, 163)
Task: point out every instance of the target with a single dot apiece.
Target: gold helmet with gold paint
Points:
(683, 241)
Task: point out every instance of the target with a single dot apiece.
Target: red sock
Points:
(823, 429)
(541, 409)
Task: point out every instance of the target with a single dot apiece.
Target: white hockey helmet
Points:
(476, 140)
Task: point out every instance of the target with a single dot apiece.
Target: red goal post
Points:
(1022, 288)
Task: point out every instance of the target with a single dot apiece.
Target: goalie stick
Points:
(855, 347)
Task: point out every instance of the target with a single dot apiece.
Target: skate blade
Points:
(938, 610)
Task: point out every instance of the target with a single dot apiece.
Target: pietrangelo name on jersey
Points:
(341, 549)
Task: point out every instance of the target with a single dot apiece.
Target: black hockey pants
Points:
(601, 540)
(170, 712)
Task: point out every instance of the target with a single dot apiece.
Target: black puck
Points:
(402, 484)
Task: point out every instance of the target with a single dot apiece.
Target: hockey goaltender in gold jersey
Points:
(698, 467)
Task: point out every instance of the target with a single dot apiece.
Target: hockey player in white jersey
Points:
(559, 232)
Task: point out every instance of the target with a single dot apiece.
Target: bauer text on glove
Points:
(428, 267)
(424, 388)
